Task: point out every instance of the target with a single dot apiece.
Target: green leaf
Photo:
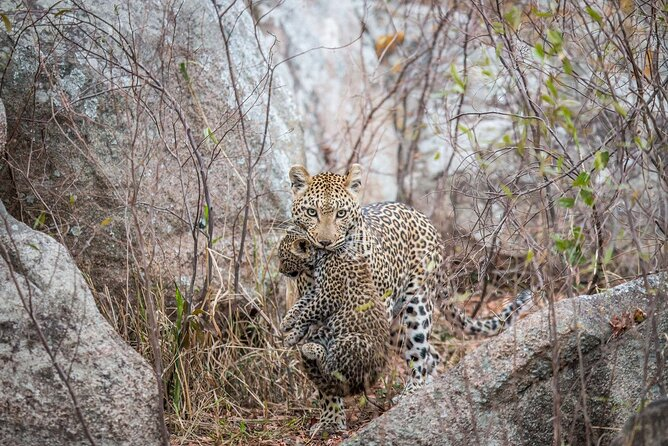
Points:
(529, 257)
(365, 306)
(567, 202)
(640, 142)
(594, 15)
(607, 256)
(183, 68)
(506, 190)
(338, 375)
(437, 155)
(34, 246)
(39, 221)
(550, 86)
(619, 109)
(498, 49)
(513, 17)
(547, 99)
(561, 244)
(498, 27)
(62, 11)
(543, 14)
(601, 159)
(208, 133)
(460, 84)
(582, 180)
(587, 196)
(556, 38)
(73, 198)
(180, 305)
(568, 68)
(540, 50)
(7, 22)
(560, 163)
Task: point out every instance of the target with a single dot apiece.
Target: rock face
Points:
(648, 428)
(115, 388)
(95, 129)
(503, 392)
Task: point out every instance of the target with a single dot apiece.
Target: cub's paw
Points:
(294, 337)
(290, 319)
(287, 324)
(312, 351)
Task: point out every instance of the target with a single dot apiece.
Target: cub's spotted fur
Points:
(348, 350)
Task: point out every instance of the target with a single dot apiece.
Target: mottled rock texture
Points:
(647, 428)
(93, 92)
(42, 291)
(503, 392)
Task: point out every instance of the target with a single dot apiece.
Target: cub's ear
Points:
(300, 247)
(299, 179)
(354, 179)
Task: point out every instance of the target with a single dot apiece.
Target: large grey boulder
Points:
(504, 392)
(648, 428)
(93, 92)
(45, 303)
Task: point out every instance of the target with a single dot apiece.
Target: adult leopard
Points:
(402, 248)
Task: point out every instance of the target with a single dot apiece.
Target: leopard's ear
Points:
(354, 179)
(299, 180)
(300, 247)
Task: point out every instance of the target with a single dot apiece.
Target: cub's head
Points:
(326, 206)
(295, 255)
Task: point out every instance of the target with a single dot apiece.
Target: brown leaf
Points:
(387, 43)
(626, 320)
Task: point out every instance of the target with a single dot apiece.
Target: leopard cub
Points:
(342, 319)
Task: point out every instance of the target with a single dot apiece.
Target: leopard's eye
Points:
(311, 212)
(341, 213)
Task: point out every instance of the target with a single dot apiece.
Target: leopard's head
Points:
(295, 255)
(326, 206)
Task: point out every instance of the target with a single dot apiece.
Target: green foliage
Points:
(566, 202)
(208, 133)
(556, 39)
(587, 196)
(594, 15)
(582, 180)
(6, 22)
(513, 18)
(365, 306)
(601, 159)
(39, 221)
(571, 246)
(460, 84)
(183, 68)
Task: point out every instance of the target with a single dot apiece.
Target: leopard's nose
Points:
(325, 243)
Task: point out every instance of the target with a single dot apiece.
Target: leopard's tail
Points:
(488, 326)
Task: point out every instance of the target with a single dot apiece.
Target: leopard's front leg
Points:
(292, 316)
(315, 310)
